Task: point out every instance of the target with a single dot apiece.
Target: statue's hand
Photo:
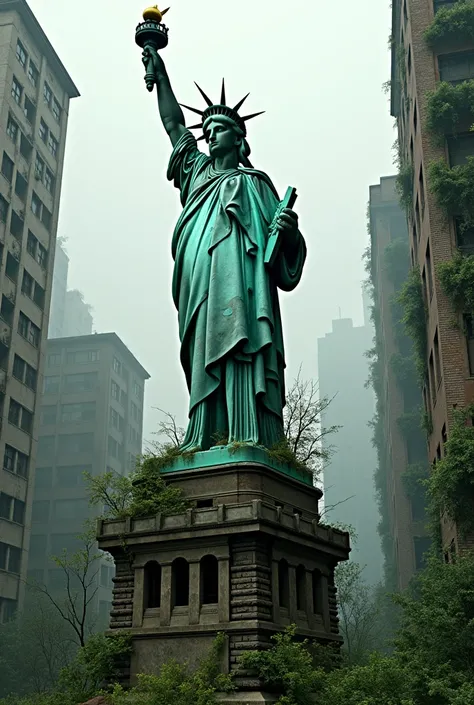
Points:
(287, 224)
(151, 55)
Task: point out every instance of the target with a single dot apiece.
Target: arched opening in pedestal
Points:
(152, 585)
(283, 584)
(180, 583)
(318, 604)
(209, 580)
(301, 588)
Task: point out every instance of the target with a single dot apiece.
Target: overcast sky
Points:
(317, 69)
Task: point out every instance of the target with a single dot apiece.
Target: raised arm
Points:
(170, 111)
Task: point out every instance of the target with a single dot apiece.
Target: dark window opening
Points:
(456, 68)
(180, 583)
(460, 148)
(12, 267)
(30, 110)
(21, 187)
(300, 588)
(283, 584)
(26, 147)
(204, 503)
(7, 167)
(7, 309)
(209, 580)
(16, 226)
(317, 585)
(422, 546)
(152, 585)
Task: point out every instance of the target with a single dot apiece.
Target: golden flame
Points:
(153, 13)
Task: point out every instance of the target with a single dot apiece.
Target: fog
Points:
(317, 70)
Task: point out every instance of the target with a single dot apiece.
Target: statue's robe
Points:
(229, 316)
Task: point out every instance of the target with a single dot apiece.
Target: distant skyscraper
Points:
(91, 420)
(35, 92)
(349, 477)
(77, 315)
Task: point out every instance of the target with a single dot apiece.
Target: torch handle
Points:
(150, 76)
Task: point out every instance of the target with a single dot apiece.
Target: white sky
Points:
(317, 69)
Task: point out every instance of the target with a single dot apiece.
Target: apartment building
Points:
(35, 91)
(399, 439)
(91, 420)
(432, 58)
(349, 493)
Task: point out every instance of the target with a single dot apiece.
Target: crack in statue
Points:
(227, 297)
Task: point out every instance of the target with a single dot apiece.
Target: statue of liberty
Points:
(226, 294)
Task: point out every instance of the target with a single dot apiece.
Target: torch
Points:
(152, 33)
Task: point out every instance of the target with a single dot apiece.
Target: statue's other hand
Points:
(287, 224)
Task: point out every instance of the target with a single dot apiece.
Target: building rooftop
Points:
(99, 339)
(44, 45)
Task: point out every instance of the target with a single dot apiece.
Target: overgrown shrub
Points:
(453, 188)
(452, 24)
(457, 280)
(404, 183)
(414, 319)
(447, 106)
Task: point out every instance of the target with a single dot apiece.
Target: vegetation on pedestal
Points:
(414, 319)
(447, 106)
(457, 280)
(451, 481)
(452, 25)
(453, 189)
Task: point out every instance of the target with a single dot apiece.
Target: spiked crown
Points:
(214, 109)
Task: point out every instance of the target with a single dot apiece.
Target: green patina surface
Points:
(223, 455)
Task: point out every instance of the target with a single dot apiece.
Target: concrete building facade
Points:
(349, 477)
(418, 68)
(91, 421)
(58, 292)
(35, 91)
(400, 450)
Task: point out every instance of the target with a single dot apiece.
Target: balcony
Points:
(5, 334)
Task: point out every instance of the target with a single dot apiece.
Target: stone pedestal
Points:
(249, 558)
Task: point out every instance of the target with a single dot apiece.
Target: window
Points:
(71, 475)
(28, 284)
(21, 186)
(56, 110)
(51, 384)
(49, 180)
(115, 391)
(209, 580)
(16, 226)
(36, 205)
(8, 609)
(27, 329)
(457, 67)
(14, 413)
(18, 511)
(29, 110)
(283, 584)
(82, 357)
(40, 511)
(301, 588)
(10, 558)
(39, 168)
(42, 256)
(134, 411)
(15, 462)
(53, 144)
(47, 94)
(21, 54)
(12, 509)
(12, 129)
(469, 332)
(114, 418)
(76, 443)
(113, 447)
(152, 585)
(71, 509)
(180, 583)
(39, 296)
(71, 413)
(437, 359)
(7, 167)
(17, 90)
(117, 366)
(137, 390)
(38, 545)
(33, 73)
(44, 478)
(43, 131)
(46, 449)
(48, 415)
(81, 382)
(54, 360)
(3, 209)
(429, 271)
(26, 147)
(24, 372)
(64, 542)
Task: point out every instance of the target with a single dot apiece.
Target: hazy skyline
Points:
(318, 72)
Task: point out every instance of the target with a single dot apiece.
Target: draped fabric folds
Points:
(229, 316)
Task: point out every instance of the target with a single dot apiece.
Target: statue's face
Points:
(221, 138)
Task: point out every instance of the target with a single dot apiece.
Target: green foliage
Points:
(448, 105)
(176, 685)
(142, 493)
(414, 479)
(453, 188)
(409, 422)
(404, 183)
(282, 453)
(403, 368)
(397, 261)
(452, 25)
(94, 665)
(414, 319)
(457, 280)
(287, 667)
(451, 481)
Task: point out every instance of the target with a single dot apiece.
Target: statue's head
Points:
(224, 128)
(225, 136)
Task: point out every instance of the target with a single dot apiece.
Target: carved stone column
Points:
(139, 597)
(224, 590)
(166, 589)
(194, 592)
